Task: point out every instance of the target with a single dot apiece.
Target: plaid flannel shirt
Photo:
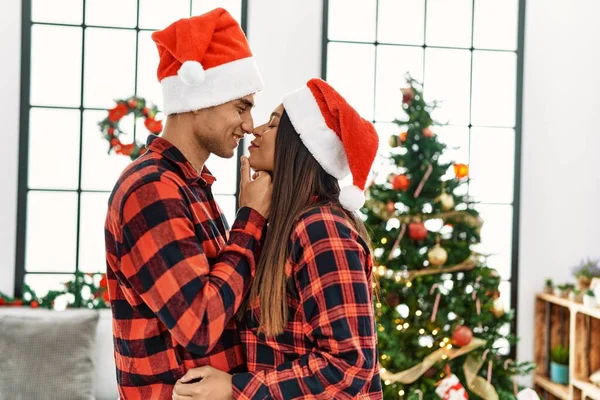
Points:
(175, 280)
(329, 347)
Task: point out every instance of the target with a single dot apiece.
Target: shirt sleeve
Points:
(163, 261)
(336, 300)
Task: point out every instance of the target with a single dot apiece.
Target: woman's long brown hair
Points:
(299, 184)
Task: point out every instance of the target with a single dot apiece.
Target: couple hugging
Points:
(280, 305)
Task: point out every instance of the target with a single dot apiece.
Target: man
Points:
(176, 277)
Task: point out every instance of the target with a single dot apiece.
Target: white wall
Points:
(561, 139)
(560, 174)
(285, 37)
(10, 67)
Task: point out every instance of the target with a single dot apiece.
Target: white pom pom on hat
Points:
(192, 73)
(352, 198)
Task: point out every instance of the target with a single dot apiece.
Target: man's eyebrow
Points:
(246, 102)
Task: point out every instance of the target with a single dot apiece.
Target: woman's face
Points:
(262, 148)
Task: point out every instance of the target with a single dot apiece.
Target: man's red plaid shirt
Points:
(176, 277)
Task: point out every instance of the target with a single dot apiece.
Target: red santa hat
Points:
(205, 61)
(338, 138)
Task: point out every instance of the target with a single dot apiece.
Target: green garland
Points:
(86, 290)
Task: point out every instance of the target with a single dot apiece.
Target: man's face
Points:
(219, 129)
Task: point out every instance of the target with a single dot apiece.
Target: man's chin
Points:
(226, 153)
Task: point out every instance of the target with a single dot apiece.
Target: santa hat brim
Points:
(322, 142)
(221, 84)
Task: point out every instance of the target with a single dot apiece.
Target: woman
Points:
(308, 323)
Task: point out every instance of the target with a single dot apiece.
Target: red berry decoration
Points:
(34, 304)
(153, 125)
(417, 231)
(462, 336)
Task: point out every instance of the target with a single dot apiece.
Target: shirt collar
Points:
(163, 147)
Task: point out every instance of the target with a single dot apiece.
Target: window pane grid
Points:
(88, 202)
(488, 122)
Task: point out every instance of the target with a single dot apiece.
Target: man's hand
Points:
(215, 385)
(256, 193)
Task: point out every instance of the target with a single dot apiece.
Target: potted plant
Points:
(576, 296)
(586, 271)
(549, 287)
(589, 299)
(562, 290)
(559, 367)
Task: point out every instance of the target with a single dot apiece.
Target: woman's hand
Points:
(214, 385)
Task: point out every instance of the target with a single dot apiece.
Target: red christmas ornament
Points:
(400, 182)
(118, 112)
(392, 300)
(403, 136)
(391, 207)
(407, 95)
(153, 125)
(34, 304)
(428, 133)
(417, 231)
(2, 301)
(461, 170)
(462, 336)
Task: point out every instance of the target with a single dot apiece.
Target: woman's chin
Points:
(252, 162)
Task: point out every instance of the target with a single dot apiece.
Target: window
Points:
(468, 54)
(78, 56)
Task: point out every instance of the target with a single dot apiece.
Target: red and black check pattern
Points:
(329, 347)
(175, 279)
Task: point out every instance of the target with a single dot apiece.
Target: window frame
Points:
(23, 190)
(516, 200)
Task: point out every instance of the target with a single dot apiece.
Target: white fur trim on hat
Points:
(192, 73)
(224, 83)
(352, 198)
(325, 146)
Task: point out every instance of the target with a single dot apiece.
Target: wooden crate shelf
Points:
(571, 324)
(560, 391)
(589, 390)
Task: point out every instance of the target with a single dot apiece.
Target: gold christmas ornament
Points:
(437, 255)
(446, 200)
(498, 308)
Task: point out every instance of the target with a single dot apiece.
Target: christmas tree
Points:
(439, 319)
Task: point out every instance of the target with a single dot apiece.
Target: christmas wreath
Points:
(111, 131)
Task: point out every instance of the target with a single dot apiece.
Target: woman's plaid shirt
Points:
(329, 347)
(175, 280)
